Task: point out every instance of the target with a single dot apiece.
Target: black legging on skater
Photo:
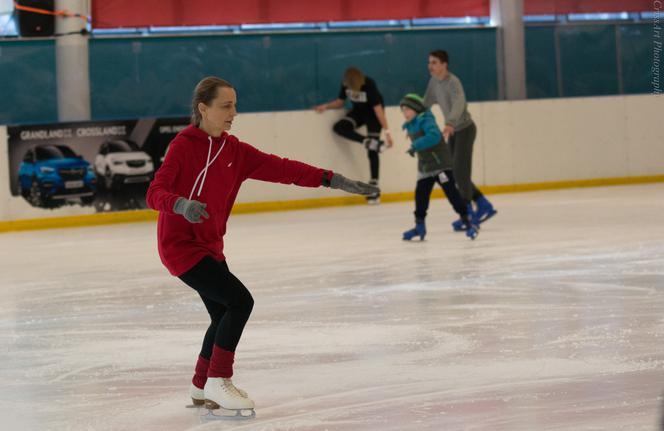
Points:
(461, 147)
(423, 194)
(228, 302)
(346, 128)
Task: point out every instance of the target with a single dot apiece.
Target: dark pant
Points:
(228, 302)
(423, 195)
(346, 128)
(461, 146)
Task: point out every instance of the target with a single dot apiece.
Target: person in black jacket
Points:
(367, 109)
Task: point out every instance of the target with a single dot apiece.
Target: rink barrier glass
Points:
(256, 207)
(153, 76)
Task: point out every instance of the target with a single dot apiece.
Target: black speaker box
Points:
(33, 24)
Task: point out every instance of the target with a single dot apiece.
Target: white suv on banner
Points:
(121, 162)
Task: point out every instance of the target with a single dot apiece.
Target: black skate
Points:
(373, 199)
(374, 144)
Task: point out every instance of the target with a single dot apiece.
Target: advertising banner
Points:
(104, 165)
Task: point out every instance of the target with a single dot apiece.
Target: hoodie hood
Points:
(197, 135)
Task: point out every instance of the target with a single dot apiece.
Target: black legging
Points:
(423, 195)
(228, 302)
(346, 128)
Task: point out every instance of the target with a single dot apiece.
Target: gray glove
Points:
(191, 210)
(351, 186)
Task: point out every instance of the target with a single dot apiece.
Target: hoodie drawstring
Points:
(208, 163)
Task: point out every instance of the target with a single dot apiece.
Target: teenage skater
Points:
(367, 109)
(194, 191)
(434, 165)
(445, 89)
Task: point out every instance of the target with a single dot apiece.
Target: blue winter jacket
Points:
(433, 154)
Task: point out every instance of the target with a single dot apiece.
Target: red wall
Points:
(545, 7)
(145, 13)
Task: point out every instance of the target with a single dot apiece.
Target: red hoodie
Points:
(184, 174)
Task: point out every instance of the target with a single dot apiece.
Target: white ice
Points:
(551, 320)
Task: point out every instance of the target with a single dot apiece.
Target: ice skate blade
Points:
(225, 414)
(196, 404)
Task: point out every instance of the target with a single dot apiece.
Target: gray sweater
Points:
(449, 94)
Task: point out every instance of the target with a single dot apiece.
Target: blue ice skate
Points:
(419, 230)
(459, 225)
(484, 211)
(472, 231)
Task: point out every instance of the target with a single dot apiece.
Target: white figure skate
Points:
(198, 396)
(224, 401)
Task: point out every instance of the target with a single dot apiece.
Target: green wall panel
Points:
(27, 82)
(541, 75)
(588, 60)
(132, 77)
(636, 56)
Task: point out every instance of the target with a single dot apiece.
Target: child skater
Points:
(434, 165)
(194, 191)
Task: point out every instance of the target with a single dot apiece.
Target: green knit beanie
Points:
(414, 102)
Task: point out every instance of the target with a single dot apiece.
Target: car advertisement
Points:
(103, 165)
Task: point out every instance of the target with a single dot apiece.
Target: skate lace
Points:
(228, 386)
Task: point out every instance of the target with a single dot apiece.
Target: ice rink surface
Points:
(553, 319)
